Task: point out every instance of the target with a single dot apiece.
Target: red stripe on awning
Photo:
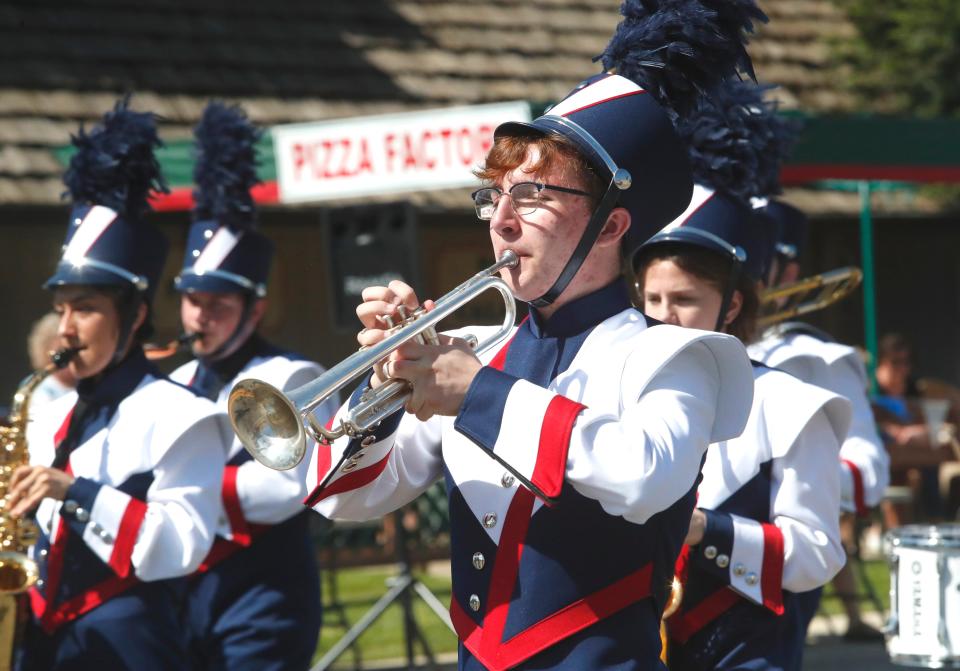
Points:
(265, 193)
(801, 174)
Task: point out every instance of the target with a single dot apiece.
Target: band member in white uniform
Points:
(815, 357)
(766, 519)
(255, 604)
(124, 469)
(571, 455)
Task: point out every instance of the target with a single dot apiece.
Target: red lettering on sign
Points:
(428, 161)
(465, 146)
(447, 156)
(366, 165)
(390, 151)
(298, 160)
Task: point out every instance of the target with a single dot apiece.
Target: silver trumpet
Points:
(273, 426)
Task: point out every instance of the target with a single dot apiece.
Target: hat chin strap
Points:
(589, 237)
(729, 287)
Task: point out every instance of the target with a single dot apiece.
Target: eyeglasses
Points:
(524, 196)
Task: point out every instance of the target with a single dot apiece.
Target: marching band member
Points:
(815, 357)
(766, 519)
(571, 456)
(242, 612)
(124, 469)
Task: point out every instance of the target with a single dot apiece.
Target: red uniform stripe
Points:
(231, 503)
(350, 481)
(771, 580)
(551, 465)
(127, 534)
(552, 629)
(859, 501)
(684, 625)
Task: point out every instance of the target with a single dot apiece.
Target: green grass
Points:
(877, 573)
(359, 589)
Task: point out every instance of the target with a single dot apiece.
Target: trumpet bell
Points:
(267, 424)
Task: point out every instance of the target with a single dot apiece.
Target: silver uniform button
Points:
(348, 466)
(474, 603)
(479, 561)
(710, 552)
(507, 480)
(43, 552)
(208, 234)
(105, 536)
(70, 506)
(40, 583)
(490, 520)
(751, 579)
(723, 561)
(739, 569)
(82, 515)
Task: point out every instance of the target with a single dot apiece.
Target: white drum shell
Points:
(924, 625)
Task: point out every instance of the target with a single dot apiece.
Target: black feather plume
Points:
(226, 167)
(737, 141)
(114, 164)
(678, 49)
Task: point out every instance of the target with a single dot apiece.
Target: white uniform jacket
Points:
(144, 503)
(253, 495)
(865, 464)
(570, 469)
(771, 500)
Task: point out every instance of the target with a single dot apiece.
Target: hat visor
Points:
(68, 274)
(188, 282)
(687, 236)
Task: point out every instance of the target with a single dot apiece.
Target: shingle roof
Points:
(300, 60)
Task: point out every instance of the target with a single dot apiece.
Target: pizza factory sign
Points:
(415, 151)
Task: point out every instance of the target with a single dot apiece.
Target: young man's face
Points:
(215, 316)
(89, 320)
(545, 239)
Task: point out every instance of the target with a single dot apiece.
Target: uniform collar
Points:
(117, 382)
(583, 313)
(229, 367)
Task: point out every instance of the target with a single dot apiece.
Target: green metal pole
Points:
(869, 283)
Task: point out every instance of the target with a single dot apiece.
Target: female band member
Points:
(766, 518)
(126, 469)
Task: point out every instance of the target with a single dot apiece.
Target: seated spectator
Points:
(915, 454)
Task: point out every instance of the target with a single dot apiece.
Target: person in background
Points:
(766, 523)
(815, 357)
(255, 603)
(43, 340)
(916, 455)
(124, 471)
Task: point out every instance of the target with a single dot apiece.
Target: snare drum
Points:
(924, 625)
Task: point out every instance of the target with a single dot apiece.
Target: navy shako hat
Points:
(225, 253)
(661, 58)
(109, 179)
(628, 138)
(726, 225)
(791, 226)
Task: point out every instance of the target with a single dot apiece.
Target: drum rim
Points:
(925, 536)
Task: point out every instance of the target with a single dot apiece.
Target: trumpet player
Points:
(765, 526)
(123, 474)
(571, 453)
(815, 357)
(242, 613)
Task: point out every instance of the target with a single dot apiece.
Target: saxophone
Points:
(17, 571)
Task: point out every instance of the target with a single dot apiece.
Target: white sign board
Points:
(413, 151)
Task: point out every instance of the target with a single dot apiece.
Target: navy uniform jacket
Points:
(146, 454)
(772, 498)
(571, 471)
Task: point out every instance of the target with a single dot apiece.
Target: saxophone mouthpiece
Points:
(64, 356)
